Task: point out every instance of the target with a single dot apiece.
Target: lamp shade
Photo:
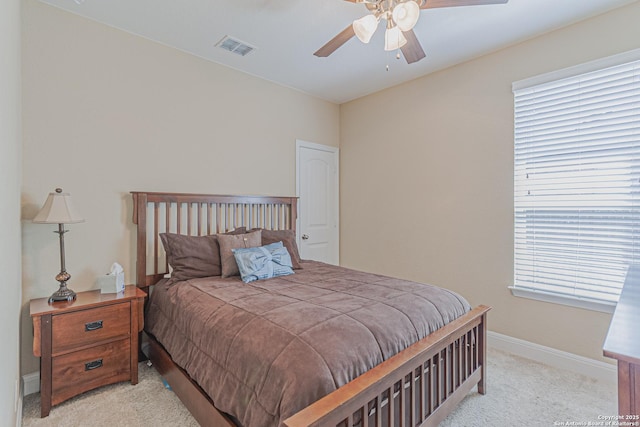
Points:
(58, 209)
(365, 27)
(406, 15)
(394, 39)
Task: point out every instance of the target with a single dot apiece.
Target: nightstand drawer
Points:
(77, 372)
(74, 330)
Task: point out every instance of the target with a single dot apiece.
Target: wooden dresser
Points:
(623, 344)
(86, 343)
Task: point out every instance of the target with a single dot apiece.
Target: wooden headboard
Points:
(199, 215)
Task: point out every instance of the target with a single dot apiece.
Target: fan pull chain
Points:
(397, 57)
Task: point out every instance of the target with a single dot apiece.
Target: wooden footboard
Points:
(426, 381)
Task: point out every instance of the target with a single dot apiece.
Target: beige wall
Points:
(106, 112)
(10, 207)
(427, 179)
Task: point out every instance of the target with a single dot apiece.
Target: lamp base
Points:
(62, 294)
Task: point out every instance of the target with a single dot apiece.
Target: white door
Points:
(317, 189)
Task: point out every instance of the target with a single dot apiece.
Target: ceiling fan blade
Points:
(412, 50)
(431, 4)
(336, 42)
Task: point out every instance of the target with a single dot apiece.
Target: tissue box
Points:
(111, 283)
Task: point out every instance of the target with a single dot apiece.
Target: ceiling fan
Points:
(401, 17)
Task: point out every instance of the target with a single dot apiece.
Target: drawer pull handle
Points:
(93, 365)
(92, 326)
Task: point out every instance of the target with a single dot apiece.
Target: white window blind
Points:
(577, 183)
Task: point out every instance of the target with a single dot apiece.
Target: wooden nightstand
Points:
(86, 343)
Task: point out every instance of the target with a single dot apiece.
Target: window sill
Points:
(585, 303)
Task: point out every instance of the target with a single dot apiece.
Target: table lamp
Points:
(58, 209)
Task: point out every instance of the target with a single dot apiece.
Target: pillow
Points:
(193, 256)
(263, 262)
(288, 238)
(229, 242)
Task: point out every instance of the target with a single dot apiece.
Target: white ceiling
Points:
(287, 32)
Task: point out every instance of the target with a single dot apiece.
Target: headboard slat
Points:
(215, 214)
(156, 207)
(179, 217)
(218, 217)
(189, 215)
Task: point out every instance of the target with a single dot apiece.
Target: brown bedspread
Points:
(265, 350)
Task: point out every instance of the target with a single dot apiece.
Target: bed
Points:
(391, 380)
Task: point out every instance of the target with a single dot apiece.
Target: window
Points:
(577, 181)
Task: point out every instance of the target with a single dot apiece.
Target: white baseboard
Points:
(19, 412)
(31, 383)
(557, 358)
(19, 404)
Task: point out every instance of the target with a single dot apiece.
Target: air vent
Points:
(235, 46)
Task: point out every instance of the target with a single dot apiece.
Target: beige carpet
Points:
(520, 393)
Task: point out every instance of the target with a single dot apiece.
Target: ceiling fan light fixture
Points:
(365, 27)
(394, 39)
(406, 15)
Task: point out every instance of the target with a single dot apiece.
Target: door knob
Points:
(305, 237)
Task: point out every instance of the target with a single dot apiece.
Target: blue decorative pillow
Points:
(263, 262)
